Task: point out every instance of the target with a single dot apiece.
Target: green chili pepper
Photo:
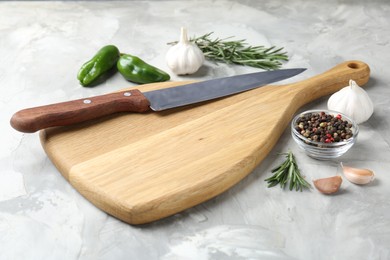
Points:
(136, 70)
(99, 66)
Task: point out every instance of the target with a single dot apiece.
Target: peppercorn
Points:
(323, 124)
(325, 128)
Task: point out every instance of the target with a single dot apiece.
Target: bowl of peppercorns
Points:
(324, 134)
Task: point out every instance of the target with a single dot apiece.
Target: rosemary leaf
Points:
(288, 174)
(239, 52)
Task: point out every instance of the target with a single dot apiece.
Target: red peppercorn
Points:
(338, 116)
(328, 135)
(327, 140)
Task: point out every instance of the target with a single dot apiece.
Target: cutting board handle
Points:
(330, 81)
(66, 113)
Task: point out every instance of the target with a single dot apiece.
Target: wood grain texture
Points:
(143, 167)
(67, 113)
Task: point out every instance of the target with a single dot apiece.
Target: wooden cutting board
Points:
(143, 167)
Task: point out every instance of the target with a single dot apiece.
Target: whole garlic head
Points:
(352, 101)
(185, 57)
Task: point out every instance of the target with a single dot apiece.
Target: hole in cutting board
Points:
(353, 65)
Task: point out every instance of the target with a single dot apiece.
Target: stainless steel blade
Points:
(210, 89)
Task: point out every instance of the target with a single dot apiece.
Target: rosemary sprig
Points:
(239, 52)
(288, 172)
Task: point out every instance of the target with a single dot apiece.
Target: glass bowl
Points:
(320, 150)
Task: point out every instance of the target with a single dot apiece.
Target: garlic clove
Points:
(328, 185)
(352, 101)
(358, 176)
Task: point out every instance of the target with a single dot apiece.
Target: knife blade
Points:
(71, 112)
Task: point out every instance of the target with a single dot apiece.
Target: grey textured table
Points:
(42, 45)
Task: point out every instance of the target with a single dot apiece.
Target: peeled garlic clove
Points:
(358, 176)
(328, 185)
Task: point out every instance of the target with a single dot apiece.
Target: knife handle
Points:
(67, 113)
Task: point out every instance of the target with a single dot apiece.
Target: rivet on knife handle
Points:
(66, 113)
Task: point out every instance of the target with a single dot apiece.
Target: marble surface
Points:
(42, 45)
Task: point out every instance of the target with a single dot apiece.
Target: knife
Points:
(71, 112)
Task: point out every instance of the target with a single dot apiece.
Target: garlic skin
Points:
(352, 101)
(358, 176)
(328, 185)
(185, 57)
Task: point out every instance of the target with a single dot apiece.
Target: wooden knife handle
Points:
(66, 113)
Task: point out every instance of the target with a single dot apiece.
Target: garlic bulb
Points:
(185, 57)
(358, 176)
(328, 185)
(352, 101)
